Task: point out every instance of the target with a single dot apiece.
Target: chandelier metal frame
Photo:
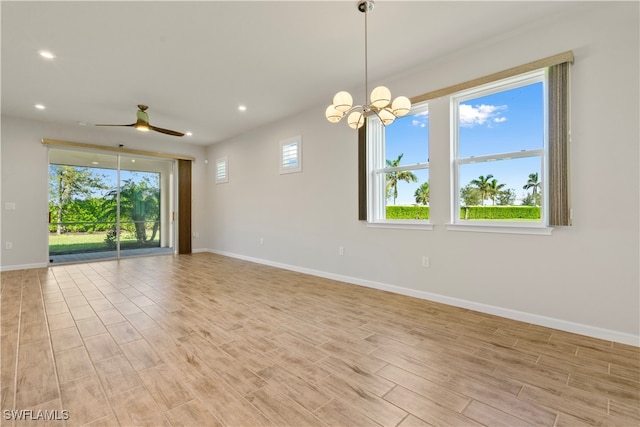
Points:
(380, 98)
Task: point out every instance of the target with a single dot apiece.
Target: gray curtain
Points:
(559, 200)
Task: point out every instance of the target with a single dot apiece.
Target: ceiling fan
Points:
(142, 124)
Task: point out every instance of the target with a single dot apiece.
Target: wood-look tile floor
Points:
(206, 340)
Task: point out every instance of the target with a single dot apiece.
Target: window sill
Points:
(403, 225)
(485, 227)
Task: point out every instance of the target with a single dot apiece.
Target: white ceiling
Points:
(194, 63)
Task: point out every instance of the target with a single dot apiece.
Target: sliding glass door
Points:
(106, 206)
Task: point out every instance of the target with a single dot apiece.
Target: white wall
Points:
(25, 181)
(583, 278)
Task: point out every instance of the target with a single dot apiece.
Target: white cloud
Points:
(421, 119)
(477, 115)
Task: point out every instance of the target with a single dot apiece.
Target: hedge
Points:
(500, 212)
(471, 212)
(407, 212)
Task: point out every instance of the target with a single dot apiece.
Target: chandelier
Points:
(380, 98)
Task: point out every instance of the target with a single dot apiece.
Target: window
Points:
(291, 155)
(508, 160)
(222, 170)
(499, 140)
(398, 165)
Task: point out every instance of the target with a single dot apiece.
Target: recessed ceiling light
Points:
(95, 163)
(188, 134)
(47, 54)
(40, 106)
(242, 108)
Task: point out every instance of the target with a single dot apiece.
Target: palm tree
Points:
(394, 177)
(534, 185)
(139, 204)
(494, 190)
(422, 194)
(484, 186)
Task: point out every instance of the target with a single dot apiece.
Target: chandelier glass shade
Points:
(380, 102)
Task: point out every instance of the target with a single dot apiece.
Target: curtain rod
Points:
(56, 143)
(514, 71)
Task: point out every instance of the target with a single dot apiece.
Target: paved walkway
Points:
(95, 256)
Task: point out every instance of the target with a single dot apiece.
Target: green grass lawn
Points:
(91, 242)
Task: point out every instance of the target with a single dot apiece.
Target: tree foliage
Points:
(80, 215)
(487, 187)
(484, 186)
(67, 183)
(534, 185)
(506, 197)
(393, 178)
(531, 199)
(422, 194)
(470, 196)
(494, 190)
(77, 203)
(139, 206)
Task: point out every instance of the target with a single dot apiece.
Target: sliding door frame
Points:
(184, 207)
(182, 242)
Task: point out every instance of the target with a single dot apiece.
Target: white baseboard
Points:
(23, 266)
(549, 322)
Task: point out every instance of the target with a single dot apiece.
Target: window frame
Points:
(222, 179)
(285, 169)
(559, 210)
(376, 170)
(498, 86)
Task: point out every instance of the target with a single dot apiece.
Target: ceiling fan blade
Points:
(142, 124)
(131, 125)
(166, 131)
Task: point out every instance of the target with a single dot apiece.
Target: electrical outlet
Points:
(262, 240)
(8, 245)
(341, 250)
(425, 261)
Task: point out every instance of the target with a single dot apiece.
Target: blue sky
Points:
(507, 121)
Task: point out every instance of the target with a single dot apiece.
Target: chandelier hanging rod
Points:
(380, 97)
(366, 6)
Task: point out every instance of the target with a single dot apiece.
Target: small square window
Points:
(222, 170)
(291, 155)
